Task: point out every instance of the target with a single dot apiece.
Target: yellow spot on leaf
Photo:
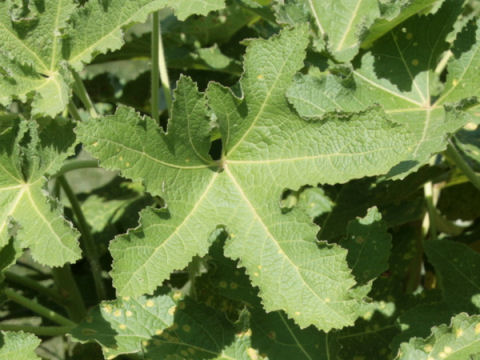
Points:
(260, 77)
(297, 313)
(171, 311)
(442, 355)
(187, 160)
(158, 332)
(447, 349)
(327, 300)
(95, 144)
(127, 164)
(428, 348)
(126, 298)
(222, 284)
(128, 313)
(120, 158)
(454, 82)
(415, 62)
(149, 303)
(259, 267)
(233, 285)
(458, 333)
(255, 273)
(409, 36)
(117, 313)
(145, 343)
(477, 329)
(107, 309)
(177, 296)
(122, 326)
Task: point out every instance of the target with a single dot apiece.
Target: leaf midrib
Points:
(280, 249)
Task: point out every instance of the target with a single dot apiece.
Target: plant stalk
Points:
(75, 165)
(88, 243)
(73, 111)
(81, 92)
(71, 296)
(38, 330)
(37, 308)
(34, 285)
(453, 153)
(159, 69)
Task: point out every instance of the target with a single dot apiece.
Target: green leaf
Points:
(32, 218)
(407, 94)
(341, 22)
(455, 266)
(368, 244)
(35, 54)
(394, 13)
(460, 340)
(266, 149)
(199, 332)
(18, 345)
(124, 326)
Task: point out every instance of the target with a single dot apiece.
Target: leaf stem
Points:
(81, 92)
(73, 111)
(159, 68)
(67, 286)
(38, 330)
(453, 153)
(37, 308)
(75, 165)
(26, 282)
(88, 243)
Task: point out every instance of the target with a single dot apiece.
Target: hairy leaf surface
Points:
(267, 148)
(398, 73)
(27, 214)
(35, 55)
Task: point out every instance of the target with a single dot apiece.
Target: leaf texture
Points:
(35, 56)
(407, 94)
(123, 326)
(267, 148)
(33, 219)
(460, 340)
(18, 345)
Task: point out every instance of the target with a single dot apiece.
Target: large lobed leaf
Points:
(36, 53)
(267, 148)
(398, 73)
(27, 214)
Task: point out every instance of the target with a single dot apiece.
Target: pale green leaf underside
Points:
(33, 220)
(18, 345)
(268, 148)
(123, 325)
(34, 58)
(459, 341)
(406, 94)
(342, 21)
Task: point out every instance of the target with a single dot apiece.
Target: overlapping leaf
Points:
(18, 345)
(35, 54)
(348, 24)
(460, 340)
(399, 74)
(27, 156)
(267, 148)
(125, 326)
